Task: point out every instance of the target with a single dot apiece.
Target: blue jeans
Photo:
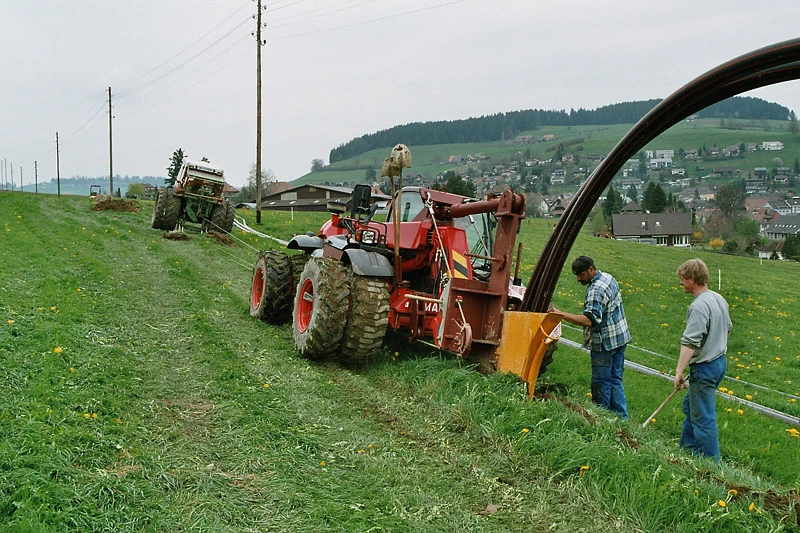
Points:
(607, 389)
(699, 433)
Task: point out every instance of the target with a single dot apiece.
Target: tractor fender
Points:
(307, 243)
(368, 263)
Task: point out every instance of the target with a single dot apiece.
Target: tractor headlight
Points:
(369, 237)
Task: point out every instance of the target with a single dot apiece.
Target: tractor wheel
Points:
(222, 217)
(166, 210)
(320, 307)
(367, 319)
(272, 289)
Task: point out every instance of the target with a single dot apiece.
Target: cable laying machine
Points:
(438, 268)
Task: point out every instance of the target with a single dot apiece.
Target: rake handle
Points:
(660, 407)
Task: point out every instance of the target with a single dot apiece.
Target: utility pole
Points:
(110, 150)
(259, 44)
(12, 176)
(20, 179)
(36, 175)
(58, 167)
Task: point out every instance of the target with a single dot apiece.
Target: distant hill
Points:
(507, 125)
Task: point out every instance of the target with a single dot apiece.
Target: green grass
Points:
(206, 420)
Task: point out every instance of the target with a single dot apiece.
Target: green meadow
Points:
(139, 395)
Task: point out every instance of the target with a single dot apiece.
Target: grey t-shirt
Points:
(707, 326)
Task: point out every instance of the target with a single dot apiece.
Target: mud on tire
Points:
(367, 319)
(320, 307)
(222, 217)
(166, 210)
(272, 289)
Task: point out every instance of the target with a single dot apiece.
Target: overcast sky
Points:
(183, 72)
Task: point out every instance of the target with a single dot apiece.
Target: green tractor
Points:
(196, 197)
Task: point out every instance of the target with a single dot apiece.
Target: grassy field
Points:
(139, 395)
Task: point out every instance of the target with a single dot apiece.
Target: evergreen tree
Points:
(455, 184)
(174, 167)
(791, 247)
(633, 194)
(613, 203)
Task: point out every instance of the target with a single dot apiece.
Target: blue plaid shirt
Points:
(603, 306)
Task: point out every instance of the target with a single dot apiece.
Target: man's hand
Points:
(680, 382)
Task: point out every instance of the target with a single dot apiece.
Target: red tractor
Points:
(440, 271)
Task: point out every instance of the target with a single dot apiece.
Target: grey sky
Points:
(182, 72)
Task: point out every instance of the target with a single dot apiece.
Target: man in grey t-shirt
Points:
(703, 346)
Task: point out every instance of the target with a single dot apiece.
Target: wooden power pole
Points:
(110, 149)
(259, 44)
(58, 168)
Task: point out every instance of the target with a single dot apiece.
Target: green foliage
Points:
(613, 203)
(654, 198)
(174, 167)
(729, 199)
(135, 190)
(791, 247)
(507, 125)
(457, 185)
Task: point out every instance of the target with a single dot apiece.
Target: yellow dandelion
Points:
(730, 410)
(266, 385)
(71, 369)
(740, 411)
(723, 389)
(583, 470)
(777, 358)
(793, 432)
(664, 325)
(58, 349)
(360, 451)
(94, 415)
(322, 463)
(730, 392)
(722, 503)
(78, 289)
(10, 322)
(748, 397)
(793, 400)
(525, 430)
(588, 394)
(53, 308)
(733, 492)
(86, 415)
(118, 421)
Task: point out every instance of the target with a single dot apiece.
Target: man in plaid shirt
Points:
(606, 334)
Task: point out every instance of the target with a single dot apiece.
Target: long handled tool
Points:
(660, 407)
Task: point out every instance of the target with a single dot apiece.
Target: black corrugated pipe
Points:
(766, 66)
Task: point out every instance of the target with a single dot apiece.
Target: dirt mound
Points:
(176, 236)
(221, 238)
(107, 203)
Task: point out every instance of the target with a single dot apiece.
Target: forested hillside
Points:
(507, 125)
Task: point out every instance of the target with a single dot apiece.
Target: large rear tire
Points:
(222, 217)
(272, 289)
(166, 210)
(367, 319)
(320, 307)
